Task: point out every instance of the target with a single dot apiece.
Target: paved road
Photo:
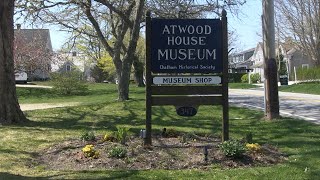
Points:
(302, 106)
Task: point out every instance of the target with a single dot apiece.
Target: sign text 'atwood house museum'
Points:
(186, 46)
(187, 67)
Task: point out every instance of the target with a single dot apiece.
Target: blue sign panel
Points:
(186, 45)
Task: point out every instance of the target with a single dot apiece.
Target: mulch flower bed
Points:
(166, 153)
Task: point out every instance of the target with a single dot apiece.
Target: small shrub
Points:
(69, 83)
(89, 151)
(232, 148)
(255, 77)
(169, 133)
(88, 136)
(118, 152)
(109, 137)
(121, 134)
(255, 147)
(308, 74)
(235, 77)
(244, 78)
(187, 137)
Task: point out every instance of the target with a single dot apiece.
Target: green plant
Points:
(109, 137)
(88, 136)
(235, 77)
(118, 152)
(121, 134)
(69, 83)
(232, 148)
(89, 151)
(282, 69)
(308, 74)
(244, 78)
(255, 77)
(169, 133)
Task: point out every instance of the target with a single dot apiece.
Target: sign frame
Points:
(192, 96)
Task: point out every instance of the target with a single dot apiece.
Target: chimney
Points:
(18, 26)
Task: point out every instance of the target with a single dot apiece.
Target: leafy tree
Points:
(282, 69)
(113, 20)
(98, 74)
(120, 17)
(10, 111)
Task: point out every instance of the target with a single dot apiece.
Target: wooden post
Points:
(271, 80)
(225, 93)
(147, 140)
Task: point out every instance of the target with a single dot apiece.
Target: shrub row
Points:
(254, 78)
(304, 74)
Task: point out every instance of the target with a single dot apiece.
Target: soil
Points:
(166, 153)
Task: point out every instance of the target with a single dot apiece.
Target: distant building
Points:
(294, 58)
(33, 50)
(253, 59)
(73, 61)
(241, 62)
(257, 61)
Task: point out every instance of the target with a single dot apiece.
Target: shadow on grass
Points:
(106, 175)
(9, 176)
(129, 113)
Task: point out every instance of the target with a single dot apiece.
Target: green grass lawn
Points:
(241, 86)
(102, 113)
(308, 88)
(97, 94)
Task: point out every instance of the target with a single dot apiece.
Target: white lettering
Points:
(211, 53)
(166, 30)
(207, 29)
(162, 54)
(186, 54)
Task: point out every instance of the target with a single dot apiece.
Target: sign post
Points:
(225, 91)
(186, 66)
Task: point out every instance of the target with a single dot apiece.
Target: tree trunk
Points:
(10, 111)
(138, 72)
(124, 81)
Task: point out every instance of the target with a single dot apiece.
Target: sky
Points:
(247, 26)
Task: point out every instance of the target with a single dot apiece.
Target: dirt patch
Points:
(166, 153)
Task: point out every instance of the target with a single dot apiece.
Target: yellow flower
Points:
(88, 148)
(253, 147)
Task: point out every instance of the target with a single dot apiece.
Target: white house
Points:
(257, 61)
(293, 57)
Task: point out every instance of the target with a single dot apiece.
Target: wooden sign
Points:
(196, 52)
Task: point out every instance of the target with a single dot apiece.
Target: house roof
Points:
(41, 36)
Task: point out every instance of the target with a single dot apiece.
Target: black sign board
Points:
(186, 45)
(186, 111)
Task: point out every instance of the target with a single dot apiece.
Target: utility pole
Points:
(270, 66)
